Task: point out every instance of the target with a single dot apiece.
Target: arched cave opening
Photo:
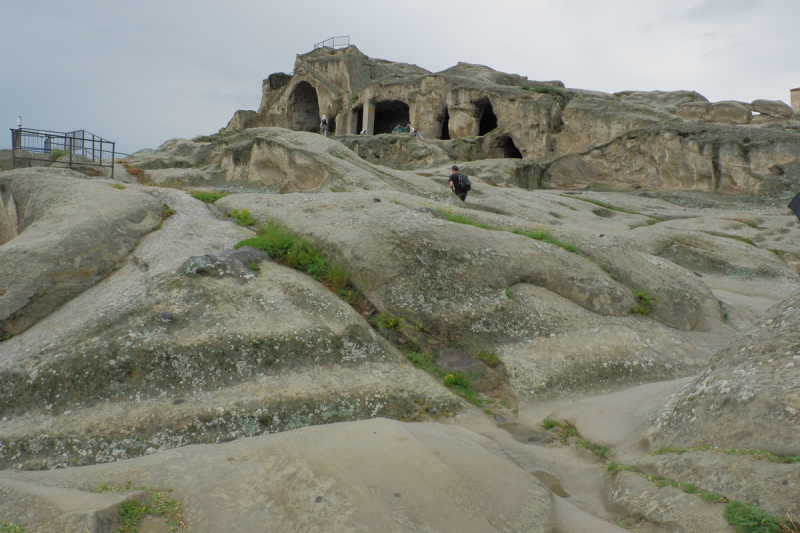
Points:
(390, 114)
(445, 121)
(488, 120)
(303, 112)
(504, 148)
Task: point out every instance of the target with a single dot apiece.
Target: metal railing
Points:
(26, 143)
(343, 41)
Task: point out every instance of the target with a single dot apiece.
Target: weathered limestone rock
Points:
(61, 235)
(590, 122)
(189, 343)
(772, 108)
(693, 110)
(669, 101)
(728, 113)
(51, 509)
(747, 398)
(687, 156)
(375, 475)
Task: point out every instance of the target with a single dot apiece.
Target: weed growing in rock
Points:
(243, 217)
(167, 212)
(158, 503)
(56, 154)
(207, 197)
(646, 302)
(137, 173)
(753, 519)
(611, 274)
(491, 359)
(781, 253)
(388, 321)
(5, 336)
(117, 186)
(615, 208)
(509, 293)
(599, 451)
(762, 455)
(458, 382)
(6, 527)
(548, 423)
(300, 254)
(462, 219)
(545, 236)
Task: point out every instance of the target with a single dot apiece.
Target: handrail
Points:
(25, 142)
(342, 41)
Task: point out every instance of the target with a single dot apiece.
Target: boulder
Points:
(772, 108)
(669, 101)
(747, 396)
(729, 113)
(695, 111)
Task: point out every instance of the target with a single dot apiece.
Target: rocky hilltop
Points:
(299, 333)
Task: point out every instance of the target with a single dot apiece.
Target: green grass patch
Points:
(509, 293)
(55, 154)
(458, 382)
(781, 253)
(117, 186)
(762, 455)
(614, 208)
(753, 519)
(6, 527)
(157, 503)
(548, 423)
(301, 254)
(388, 321)
(599, 451)
(491, 359)
(545, 236)
(646, 302)
(207, 197)
(611, 273)
(462, 219)
(243, 217)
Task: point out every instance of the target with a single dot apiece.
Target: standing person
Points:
(323, 126)
(415, 131)
(399, 129)
(459, 183)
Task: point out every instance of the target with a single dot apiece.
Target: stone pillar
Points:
(369, 117)
(795, 100)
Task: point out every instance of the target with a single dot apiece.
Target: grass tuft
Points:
(491, 359)
(207, 196)
(753, 519)
(462, 219)
(646, 302)
(243, 217)
(545, 236)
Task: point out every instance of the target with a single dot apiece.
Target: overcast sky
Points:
(140, 72)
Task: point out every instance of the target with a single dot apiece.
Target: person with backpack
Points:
(459, 183)
(323, 126)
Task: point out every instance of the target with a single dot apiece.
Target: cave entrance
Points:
(445, 122)
(303, 112)
(504, 147)
(486, 116)
(390, 114)
(358, 120)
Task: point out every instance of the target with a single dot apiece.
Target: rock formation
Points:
(599, 248)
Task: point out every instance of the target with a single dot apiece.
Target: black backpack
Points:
(463, 182)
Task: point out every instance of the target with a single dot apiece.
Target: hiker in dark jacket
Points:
(456, 183)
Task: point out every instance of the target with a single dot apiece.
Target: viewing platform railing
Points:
(342, 41)
(27, 143)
